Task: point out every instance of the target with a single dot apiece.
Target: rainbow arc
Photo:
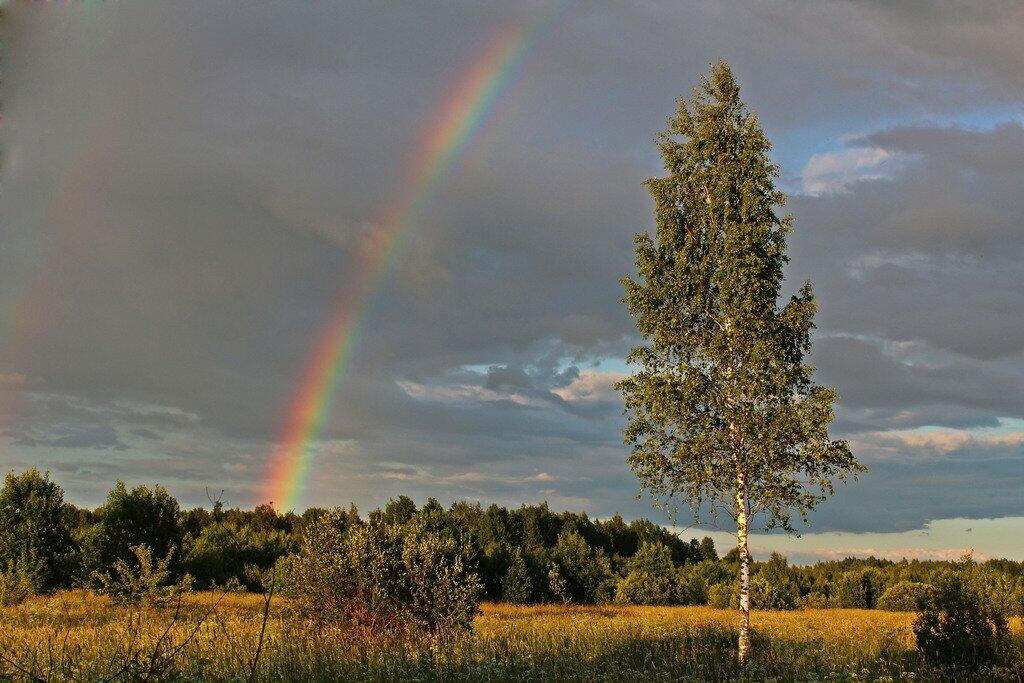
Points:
(456, 123)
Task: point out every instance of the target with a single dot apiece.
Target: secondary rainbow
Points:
(457, 122)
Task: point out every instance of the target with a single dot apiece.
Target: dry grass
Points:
(78, 636)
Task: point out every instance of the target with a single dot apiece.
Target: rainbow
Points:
(457, 122)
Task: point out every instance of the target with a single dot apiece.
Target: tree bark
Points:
(741, 535)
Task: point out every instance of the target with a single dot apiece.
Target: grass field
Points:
(78, 636)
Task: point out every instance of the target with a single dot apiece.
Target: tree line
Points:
(524, 555)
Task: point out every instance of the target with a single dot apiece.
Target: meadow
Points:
(77, 635)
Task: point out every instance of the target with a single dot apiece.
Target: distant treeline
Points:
(524, 555)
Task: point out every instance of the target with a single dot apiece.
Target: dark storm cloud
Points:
(187, 186)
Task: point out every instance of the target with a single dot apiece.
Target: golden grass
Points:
(78, 636)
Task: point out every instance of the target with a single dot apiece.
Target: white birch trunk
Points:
(741, 535)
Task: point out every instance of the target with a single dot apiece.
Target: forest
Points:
(526, 555)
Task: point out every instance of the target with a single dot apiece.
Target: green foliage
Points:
(524, 555)
(814, 600)
(959, 627)
(858, 588)
(222, 550)
(399, 510)
(17, 585)
(904, 596)
(649, 577)
(384, 579)
(764, 594)
(516, 585)
(723, 596)
(145, 580)
(35, 538)
(586, 571)
(142, 516)
(691, 586)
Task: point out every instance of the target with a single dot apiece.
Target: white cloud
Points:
(465, 394)
(936, 441)
(835, 172)
(940, 539)
(591, 385)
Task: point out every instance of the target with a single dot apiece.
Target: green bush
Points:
(649, 577)
(958, 628)
(516, 586)
(145, 580)
(722, 596)
(219, 554)
(586, 571)
(903, 596)
(642, 588)
(141, 516)
(814, 600)
(859, 588)
(384, 579)
(767, 594)
(16, 585)
(691, 585)
(34, 533)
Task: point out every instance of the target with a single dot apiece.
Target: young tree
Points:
(34, 533)
(723, 413)
(141, 516)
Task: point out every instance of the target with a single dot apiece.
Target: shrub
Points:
(722, 596)
(958, 628)
(586, 571)
(34, 533)
(142, 516)
(691, 586)
(516, 586)
(903, 596)
(814, 600)
(444, 590)
(16, 585)
(649, 577)
(384, 579)
(146, 580)
(219, 553)
(767, 594)
(859, 588)
(642, 588)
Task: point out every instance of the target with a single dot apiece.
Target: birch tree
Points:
(723, 416)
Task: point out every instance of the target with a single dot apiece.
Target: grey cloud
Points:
(932, 255)
(101, 437)
(187, 186)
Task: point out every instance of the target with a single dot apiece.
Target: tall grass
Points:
(79, 636)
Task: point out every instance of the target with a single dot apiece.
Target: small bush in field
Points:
(958, 627)
(649, 577)
(146, 580)
(903, 596)
(16, 585)
(722, 596)
(764, 594)
(814, 600)
(859, 588)
(385, 579)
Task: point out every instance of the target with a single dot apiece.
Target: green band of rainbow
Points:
(446, 139)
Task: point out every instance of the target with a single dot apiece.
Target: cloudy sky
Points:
(186, 186)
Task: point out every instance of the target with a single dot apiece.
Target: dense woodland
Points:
(530, 554)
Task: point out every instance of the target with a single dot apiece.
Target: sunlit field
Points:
(75, 635)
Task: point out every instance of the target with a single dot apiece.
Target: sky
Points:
(186, 187)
